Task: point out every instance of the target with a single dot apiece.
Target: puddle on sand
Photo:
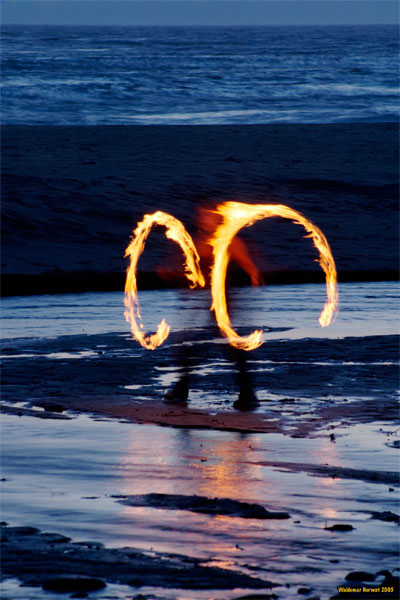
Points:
(76, 467)
(286, 311)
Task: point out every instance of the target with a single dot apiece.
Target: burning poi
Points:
(174, 231)
(237, 215)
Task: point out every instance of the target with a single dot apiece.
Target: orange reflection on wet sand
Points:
(225, 474)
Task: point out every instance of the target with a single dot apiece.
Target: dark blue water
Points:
(148, 75)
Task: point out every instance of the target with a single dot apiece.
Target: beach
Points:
(109, 491)
(73, 195)
(125, 495)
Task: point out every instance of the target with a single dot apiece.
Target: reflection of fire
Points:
(237, 215)
(174, 231)
(227, 473)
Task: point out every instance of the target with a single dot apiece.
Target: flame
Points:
(174, 231)
(237, 215)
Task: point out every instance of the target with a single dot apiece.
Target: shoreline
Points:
(80, 282)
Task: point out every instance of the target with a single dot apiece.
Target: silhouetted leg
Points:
(182, 359)
(247, 399)
(179, 392)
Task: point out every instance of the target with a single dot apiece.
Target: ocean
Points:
(64, 75)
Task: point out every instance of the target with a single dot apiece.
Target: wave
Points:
(116, 75)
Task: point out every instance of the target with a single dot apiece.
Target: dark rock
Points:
(360, 576)
(303, 590)
(386, 515)
(202, 504)
(73, 584)
(56, 538)
(340, 527)
(52, 407)
(23, 530)
(257, 597)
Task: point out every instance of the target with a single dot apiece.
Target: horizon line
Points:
(200, 25)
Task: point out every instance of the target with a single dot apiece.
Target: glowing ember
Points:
(237, 215)
(174, 231)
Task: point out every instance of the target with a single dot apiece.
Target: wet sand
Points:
(219, 516)
(302, 386)
(282, 499)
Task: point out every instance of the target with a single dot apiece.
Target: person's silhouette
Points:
(207, 223)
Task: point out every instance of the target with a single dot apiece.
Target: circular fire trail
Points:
(237, 215)
(174, 231)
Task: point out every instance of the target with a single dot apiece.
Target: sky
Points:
(199, 12)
